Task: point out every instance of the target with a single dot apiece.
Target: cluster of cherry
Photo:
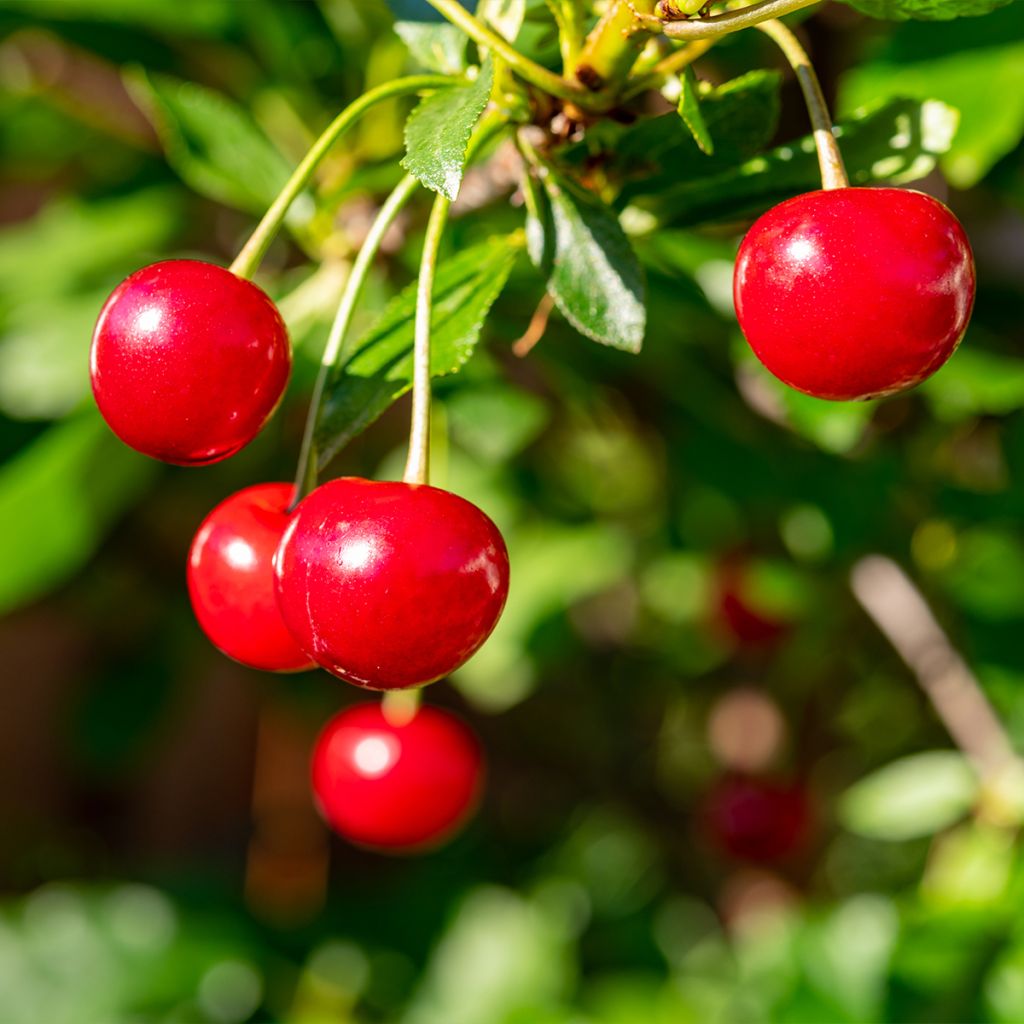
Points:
(386, 585)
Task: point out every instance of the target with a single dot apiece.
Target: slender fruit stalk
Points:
(255, 248)
(830, 160)
(306, 476)
(417, 467)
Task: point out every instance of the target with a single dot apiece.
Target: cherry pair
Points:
(386, 585)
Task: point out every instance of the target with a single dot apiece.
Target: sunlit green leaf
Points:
(964, 64)
(436, 46)
(438, 130)
(896, 142)
(380, 366)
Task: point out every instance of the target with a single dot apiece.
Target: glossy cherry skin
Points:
(855, 292)
(757, 820)
(231, 579)
(396, 786)
(188, 361)
(390, 585)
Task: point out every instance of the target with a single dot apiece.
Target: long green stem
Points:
(527, 69)
(733, 21)
(417, 466)
(305, 478)
(253, 251)
(830, 159)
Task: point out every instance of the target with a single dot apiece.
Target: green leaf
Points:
(438, 130)
(963, 64)
(211, 142)
(741, 115)
(58, 497)
(897, 142)
(929, 10)
(504, 16)
(596, 279)
(689, 110)
(380, 367)
(539, 236)
(436, 46)
(912, 797)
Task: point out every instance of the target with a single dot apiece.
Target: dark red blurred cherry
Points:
(855, 292)
(188, 361)
(396, 786)
(390, 585)
(231, 579)
(752, 627)
(757, 820)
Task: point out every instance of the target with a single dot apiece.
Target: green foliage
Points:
(57, 499)
(438, 130)
(926, 9)
(690, 111)
(592, 272)
(379, 368)
(896, 142)
(212, 142)
(440, 48)
(964, 64)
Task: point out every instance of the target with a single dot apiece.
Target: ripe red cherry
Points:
(390, 585)
(188, 361)
(231, 579)
(757, 820)
(855, 292)
(392, 785)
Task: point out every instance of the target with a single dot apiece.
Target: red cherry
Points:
(753, 627)
(855, 292)
(390, 585)
(396, 786)
(756, 819)
(188, 361)
(231, 579)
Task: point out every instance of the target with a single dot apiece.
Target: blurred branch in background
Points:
(900, 611)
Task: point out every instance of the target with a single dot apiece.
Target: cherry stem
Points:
(306, 476)
(417, 466)
(255, 248)
(830, 159)
(527, 69)
(733, 21)
(399, 707)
